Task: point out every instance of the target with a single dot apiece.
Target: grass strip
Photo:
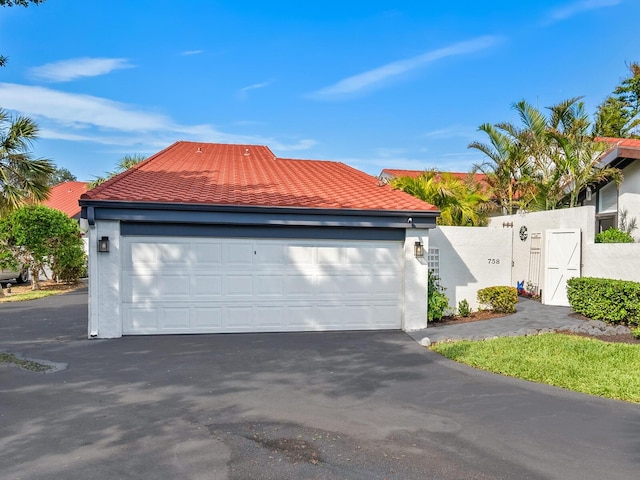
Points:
(580, 364)
(32, 295)
(22, 363)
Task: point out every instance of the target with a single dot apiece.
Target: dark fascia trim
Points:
(94, 210)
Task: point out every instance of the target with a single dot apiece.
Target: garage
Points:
(211, 238)
(203, 285)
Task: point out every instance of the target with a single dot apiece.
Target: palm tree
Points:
(23, 180)
(124, 164)
(461, 202)
(548, 159)
(506, 169)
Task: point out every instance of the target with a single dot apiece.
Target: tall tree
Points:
(60, 175)
(461, 202)
(124, 164)
(23, 180)
(618, 115)
(36, 236)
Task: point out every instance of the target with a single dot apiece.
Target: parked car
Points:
(19, 277)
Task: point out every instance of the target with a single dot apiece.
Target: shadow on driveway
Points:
(355, 405)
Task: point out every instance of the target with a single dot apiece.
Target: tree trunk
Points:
(35, 278)
(1, 291)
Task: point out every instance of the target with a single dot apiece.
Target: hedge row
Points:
(612, 301)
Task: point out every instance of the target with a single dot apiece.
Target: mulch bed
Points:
(473, 317)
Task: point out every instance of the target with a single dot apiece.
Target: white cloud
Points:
(74, 68)
(85, 118)
(454, 131)
(578, 7)
(191, 52)
(243, 92)
(377, 76)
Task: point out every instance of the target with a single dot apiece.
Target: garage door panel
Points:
(270, 285)
(327, 284)
(196, 285)
(239, 254)
(175, 318)
(174, 253)
(208, 253)
(240, 317)
(142, 254)
(390, 285)
(299, 254)
(141, 320)
(386, 257)
(270, 316)
(239, 285)
(207, 318)
(206, 285)
(269, 254)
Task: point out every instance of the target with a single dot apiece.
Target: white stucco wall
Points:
(526, 264)
(472, 258)
(629, 195)
(104, 282)
(612, 260)
(415, 281)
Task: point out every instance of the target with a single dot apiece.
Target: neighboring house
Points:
(608, 198)
(211, 238)
(65, 197)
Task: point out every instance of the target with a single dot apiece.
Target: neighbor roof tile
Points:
(65, 196)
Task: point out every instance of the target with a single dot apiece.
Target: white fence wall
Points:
(611, 260)
(471, 258)
(528, 254)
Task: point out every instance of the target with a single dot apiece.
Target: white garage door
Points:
(210, 285)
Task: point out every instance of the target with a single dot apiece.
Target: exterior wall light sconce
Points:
(588, 194)
(103, 244)
(418, 249)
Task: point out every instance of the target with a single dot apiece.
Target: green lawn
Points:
(31, 295)
(581, 364)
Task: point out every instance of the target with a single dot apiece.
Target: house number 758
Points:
(494, 261)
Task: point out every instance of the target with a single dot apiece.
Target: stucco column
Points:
(415, 280)
(104, 282)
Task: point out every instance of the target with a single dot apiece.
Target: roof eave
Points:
(255, 215)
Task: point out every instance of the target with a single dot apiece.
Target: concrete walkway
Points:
(530, 317)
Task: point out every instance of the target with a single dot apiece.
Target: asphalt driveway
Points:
(372, 405)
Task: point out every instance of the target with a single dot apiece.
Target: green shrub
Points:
(614, 235)
(437, 301)
(499, 299)
(612, 301)
(463, 308)
(636, 332)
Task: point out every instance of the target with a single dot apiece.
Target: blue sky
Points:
(374, 84)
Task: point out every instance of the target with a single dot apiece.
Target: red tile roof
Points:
(250, 175)
(65, 196)
(620, 142)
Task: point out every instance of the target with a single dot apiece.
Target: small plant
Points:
(624, 223)
(437, 301)
(636, 332)
(499, 299)
(463, 308)
(614, 235)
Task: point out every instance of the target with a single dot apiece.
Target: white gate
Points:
(562, 262)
